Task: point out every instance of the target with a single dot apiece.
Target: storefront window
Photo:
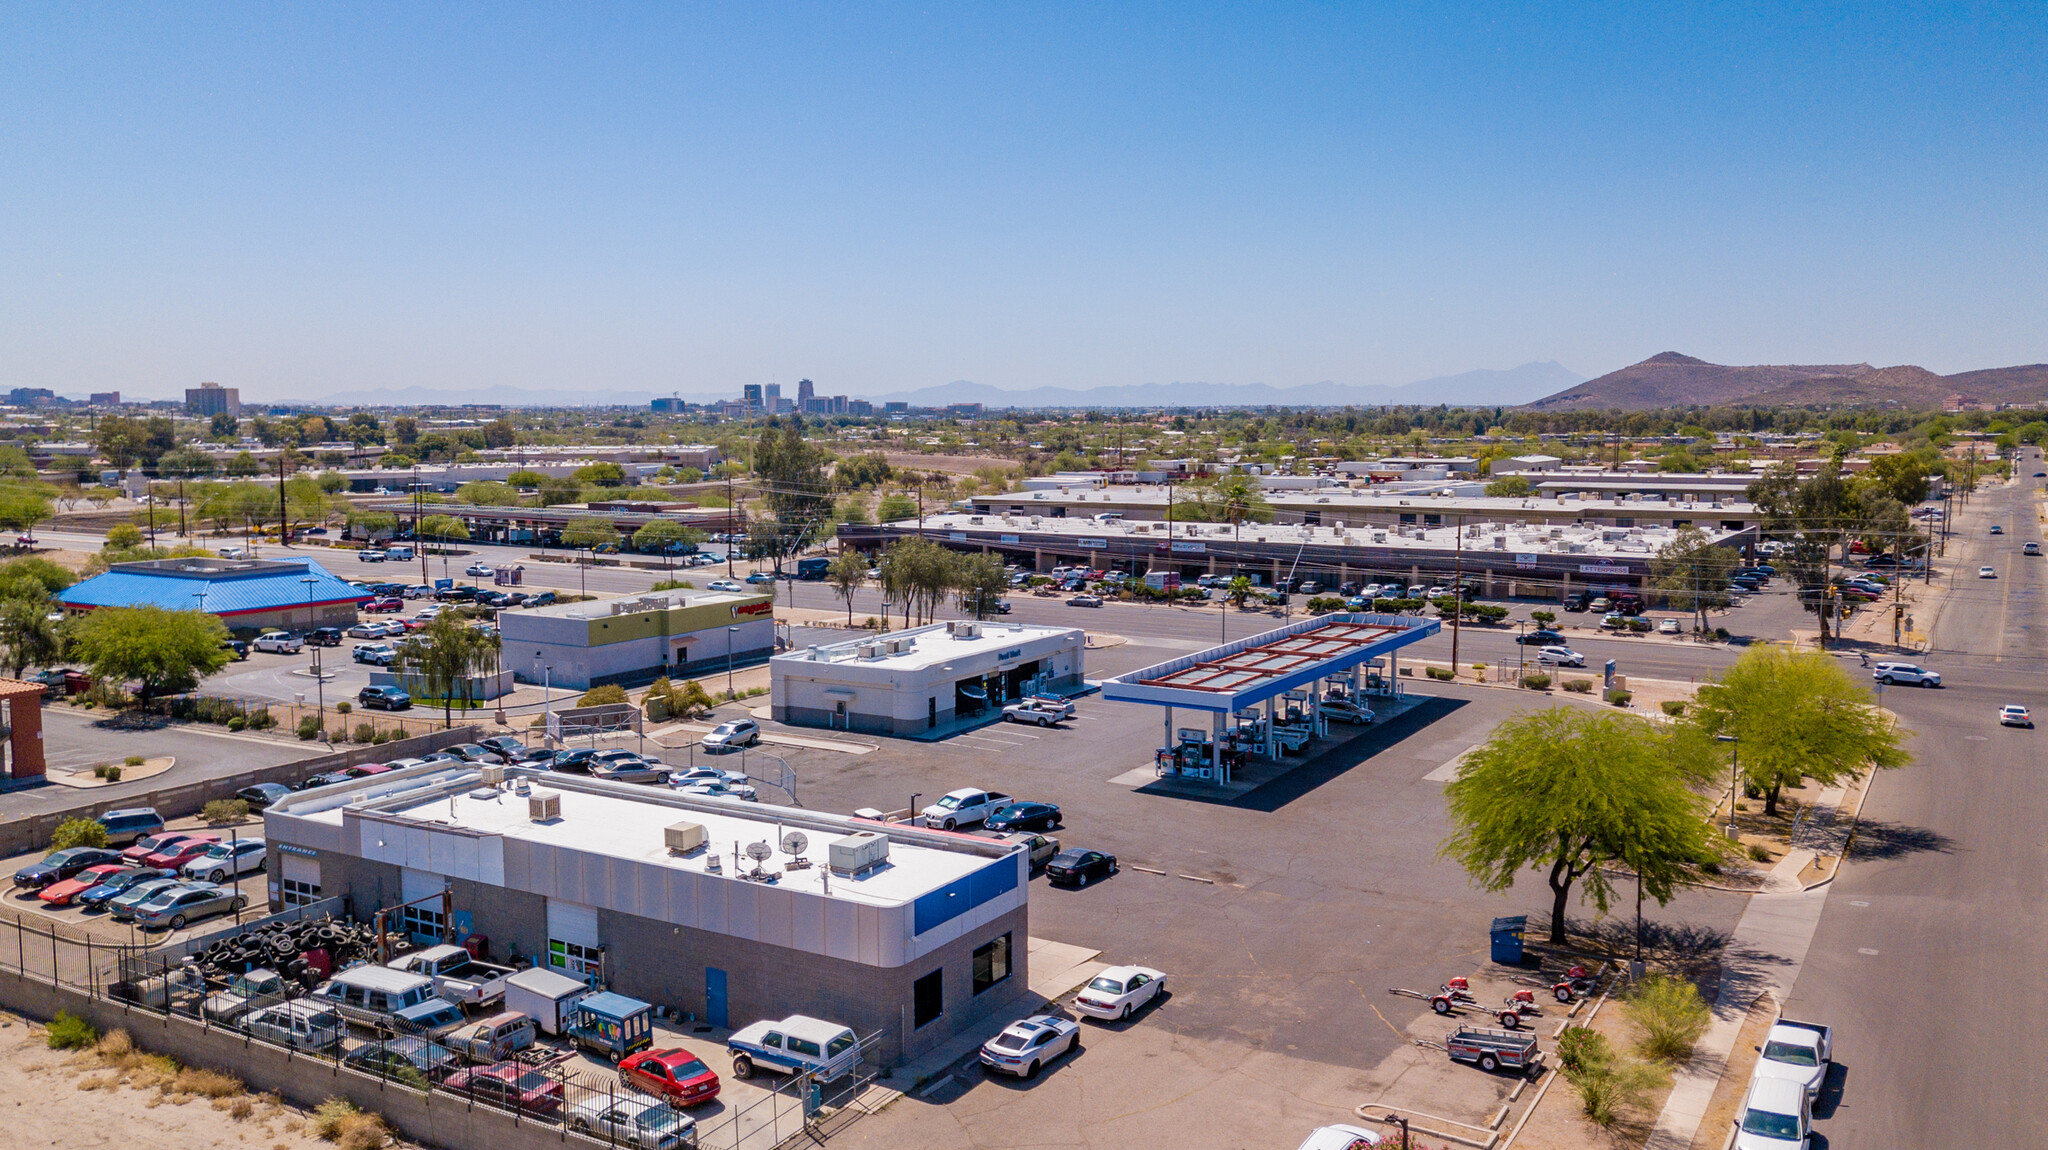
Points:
(991, 963)
(293, 892)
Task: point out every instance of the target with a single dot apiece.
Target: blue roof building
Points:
(294, 593)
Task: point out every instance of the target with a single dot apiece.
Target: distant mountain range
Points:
(1670, 379)
(1482, 388)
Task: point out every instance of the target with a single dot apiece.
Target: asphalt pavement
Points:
(1931, 949)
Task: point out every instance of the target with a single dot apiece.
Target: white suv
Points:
(1907, 673)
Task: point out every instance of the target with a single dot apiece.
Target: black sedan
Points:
(579, 760)
(260, 795)
(1024, 817)
(1079, 866)
(62, 865)
(1540, 638)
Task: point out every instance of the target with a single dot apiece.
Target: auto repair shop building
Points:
(636, 640)
(921, 935)
(922, 679)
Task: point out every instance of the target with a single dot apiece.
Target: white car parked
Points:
(225, 861)
(726, 736)
(1119, 991)
(1341, 1137)
(966, 805)
(1560, 657)
(1667, 626)
(731, 585)
(1023, 1047)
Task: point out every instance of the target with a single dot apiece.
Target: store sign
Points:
(1525, 560)
(750, 610)
(300, 851)
(1008, 538)
(1010, 654)
(1191, 548)
(957, 536)
(1092, 542)
(1602, 569)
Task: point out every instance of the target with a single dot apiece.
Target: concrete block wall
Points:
(441, 1120)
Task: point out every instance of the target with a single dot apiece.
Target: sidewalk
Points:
(1764, 955)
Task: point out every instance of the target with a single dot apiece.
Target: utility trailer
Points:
(1493, 1050)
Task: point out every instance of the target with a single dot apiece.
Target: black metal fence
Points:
(549, 1083)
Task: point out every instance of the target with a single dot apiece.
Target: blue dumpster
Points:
(1507, 939)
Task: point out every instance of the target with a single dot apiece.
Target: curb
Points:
(1855, 819)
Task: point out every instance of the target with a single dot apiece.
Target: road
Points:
(1931, 948)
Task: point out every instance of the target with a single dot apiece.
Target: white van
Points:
(372, 996)
(302, 1024)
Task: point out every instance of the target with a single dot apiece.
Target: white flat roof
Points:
(1336, 500)
(639, 604)
(931, 646)
(612, 820)
(1518, 535)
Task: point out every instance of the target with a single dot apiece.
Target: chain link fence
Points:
(548, 1084)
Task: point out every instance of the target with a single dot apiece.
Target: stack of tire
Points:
(306, 951)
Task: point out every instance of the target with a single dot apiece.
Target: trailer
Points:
(1449, 1001)
(1493, 1050)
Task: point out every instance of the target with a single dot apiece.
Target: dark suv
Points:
(324, 636)
(384, 699)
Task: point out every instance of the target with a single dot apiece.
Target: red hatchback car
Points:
(152, 844)
(181, 852)
(61, 893)
(677, 1075)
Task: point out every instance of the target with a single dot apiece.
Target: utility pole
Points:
(284, 523)
(1457, 591)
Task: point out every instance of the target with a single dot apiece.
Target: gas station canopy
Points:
(1239, 675)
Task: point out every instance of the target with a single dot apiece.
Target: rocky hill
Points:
(1674, 380)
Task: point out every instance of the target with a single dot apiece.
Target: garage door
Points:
(418, 884)
(298, 868)
(299, 880)
(573, 945)
(421, 921)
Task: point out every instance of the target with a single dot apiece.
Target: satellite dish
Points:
(794, 843)
(760, 852)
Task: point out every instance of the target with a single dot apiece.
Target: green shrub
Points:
(1620, 698)
(366, 733)
(237, 722)
(1721, 633)
(1617, 1084)
(134, 760)
(1536, 682)
(309, 726)
(343, 707)
(598, 696)
(1710, 866)
(1440, 674)
(1582, 1048)
(753, 692)
(70, 1032)
(1671, 1015)
(1579, 686)
(220, 811)
(382, 737)
(100, 772)
(78, 833)
(113, 773)
(1544, 618)
(1758, 853)
(1672, 707)
(262, 719)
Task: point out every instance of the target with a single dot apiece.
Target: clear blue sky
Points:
(300, 199)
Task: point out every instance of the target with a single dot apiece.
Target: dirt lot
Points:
(45, 1100)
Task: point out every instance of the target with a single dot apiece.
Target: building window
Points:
(422, 921)
(575, 959)
(991, 963)
(927, 999)
(293, 892)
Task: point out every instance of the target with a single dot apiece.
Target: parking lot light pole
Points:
(1734, 775)
(319, 680)
(731, 637)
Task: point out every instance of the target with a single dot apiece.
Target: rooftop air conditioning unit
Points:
(974, 519)
(857, 852)
(544, 806)
(1379, 537)
(966, 630)
(493, 774)
(683, 837)
(872, 650)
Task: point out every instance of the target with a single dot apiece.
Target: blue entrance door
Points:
(714, 997)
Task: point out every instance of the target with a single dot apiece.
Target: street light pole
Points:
(1734, 777)
(319, 680)
(731, 637)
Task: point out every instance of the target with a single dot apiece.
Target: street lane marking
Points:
(1864, 950)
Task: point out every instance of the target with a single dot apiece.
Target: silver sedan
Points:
(177, 906)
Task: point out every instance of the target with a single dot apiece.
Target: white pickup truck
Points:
(457, 977)
(1032, 711)
(795, 1044)
(1798, 1052)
